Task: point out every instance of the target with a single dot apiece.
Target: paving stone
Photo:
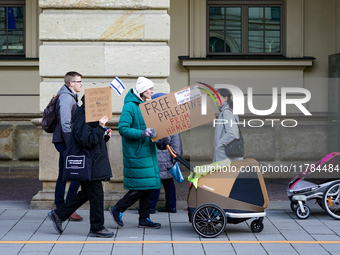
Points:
(180, 230)
(21, 231)
(270, 237)
(10, 248)
(157, 237)
(180, 216)
(274, 247)
(101, 247)
(216, 248)
(241, 236)
(186, 249)
(37, 247)
(310, 249)
(34, 253)
(243, 249)
(132, 249)
(296, 235)
(157, 248)
(13, 214)
(318, 230)
(288, 226)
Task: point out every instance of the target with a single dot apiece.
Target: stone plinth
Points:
(6, 142)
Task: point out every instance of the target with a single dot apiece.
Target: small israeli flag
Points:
(118, 86)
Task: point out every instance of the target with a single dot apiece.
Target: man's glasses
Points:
(76, 81)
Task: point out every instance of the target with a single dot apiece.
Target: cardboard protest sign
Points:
(98, 103)
(176, 112)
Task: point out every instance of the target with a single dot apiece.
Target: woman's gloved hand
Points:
(162, 143)
(149, 132)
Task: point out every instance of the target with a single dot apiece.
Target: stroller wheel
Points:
(256, 226)
(209, 220)
(300, 214)
(331, 200)
(293, 206)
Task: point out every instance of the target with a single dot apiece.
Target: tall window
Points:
(12, 28)
(244, 29)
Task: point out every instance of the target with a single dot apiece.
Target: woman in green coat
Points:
(141, 173)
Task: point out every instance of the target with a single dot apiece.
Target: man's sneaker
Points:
(147, 223)
(57, 223)
(75, 217)
(117, 216)
(105, 233)
(166, 209)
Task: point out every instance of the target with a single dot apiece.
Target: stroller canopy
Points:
(325, 170)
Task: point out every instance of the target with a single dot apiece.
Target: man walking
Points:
(65, 108)
(92, 136)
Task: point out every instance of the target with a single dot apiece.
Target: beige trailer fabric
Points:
(200, 196)
(215, 187)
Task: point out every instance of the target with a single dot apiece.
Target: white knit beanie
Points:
(143, 84)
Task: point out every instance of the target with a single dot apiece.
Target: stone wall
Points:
(19, 149)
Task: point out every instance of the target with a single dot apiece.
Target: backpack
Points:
(50, 119)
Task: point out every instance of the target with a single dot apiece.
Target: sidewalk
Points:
(25, 232)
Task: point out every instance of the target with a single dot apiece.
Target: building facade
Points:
(251, 44)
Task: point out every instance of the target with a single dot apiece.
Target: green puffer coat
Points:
(140, 154)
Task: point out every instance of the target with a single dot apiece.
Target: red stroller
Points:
(319, 181)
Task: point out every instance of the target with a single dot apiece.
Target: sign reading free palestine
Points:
(176, 112)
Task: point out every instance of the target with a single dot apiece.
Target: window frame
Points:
(16, 3)
(244, 25)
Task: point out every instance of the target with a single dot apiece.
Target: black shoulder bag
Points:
(236, 147)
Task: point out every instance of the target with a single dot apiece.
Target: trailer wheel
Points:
(302, 215)
(331, 200)
(209, 220)
(256, 226)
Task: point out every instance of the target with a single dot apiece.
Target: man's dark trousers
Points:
(92, 191)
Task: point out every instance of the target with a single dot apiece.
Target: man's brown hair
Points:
(69, 77)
